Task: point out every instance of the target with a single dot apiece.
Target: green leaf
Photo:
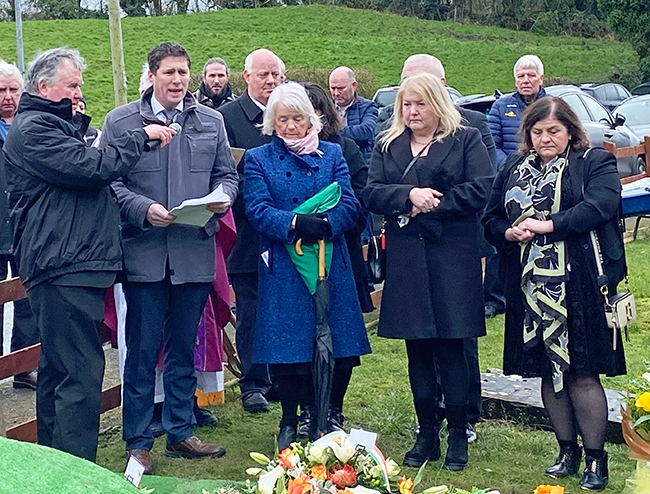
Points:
(641, 420)
(418, 477)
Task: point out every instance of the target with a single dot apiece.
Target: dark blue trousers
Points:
(160, 312)
(256, 377)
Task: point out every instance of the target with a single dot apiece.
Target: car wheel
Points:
(640, 165)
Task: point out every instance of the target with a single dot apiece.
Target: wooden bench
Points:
(27, 359)
(644, 149)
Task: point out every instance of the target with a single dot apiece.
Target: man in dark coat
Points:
(242, 117)
(24, 332)
(359, 114)
(506, 112)
(169, 266)
(66, 242)
(215, 89)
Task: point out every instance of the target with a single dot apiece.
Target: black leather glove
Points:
(311, 228)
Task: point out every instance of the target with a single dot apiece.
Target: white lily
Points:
(318, 454)
(392, 468)
(266, 482)
(339, 443)
(253, 471)
(363, 490)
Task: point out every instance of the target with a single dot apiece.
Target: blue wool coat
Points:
(504, 119)
(277, 181)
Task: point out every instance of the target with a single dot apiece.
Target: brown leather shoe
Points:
(143, 456)
(193, 447)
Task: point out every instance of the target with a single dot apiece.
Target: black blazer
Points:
(242, 119)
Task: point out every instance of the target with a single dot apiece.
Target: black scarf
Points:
(219, 98)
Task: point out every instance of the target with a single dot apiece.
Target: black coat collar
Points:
(400, 151)
(251, 110)
(61, 109)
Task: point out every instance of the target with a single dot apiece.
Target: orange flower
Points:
(343, 477)
(549, 489)
(319, 472)
(405, 485)
(284, 457)
(298, 486)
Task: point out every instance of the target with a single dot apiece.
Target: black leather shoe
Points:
(304, 423)
(595, 476)
(204, 418)
(490, 311)
(566, 464)
(254, 403)
(286, 436)
(426, 447)
(26, 380)
(156, 428)
(457, 458)
(335, 419)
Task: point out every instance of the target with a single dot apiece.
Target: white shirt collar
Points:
(158, 109)
(259, 105)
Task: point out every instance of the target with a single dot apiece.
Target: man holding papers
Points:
(169, 262)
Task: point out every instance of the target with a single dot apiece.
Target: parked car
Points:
(601, 126)
(636, 111)
(643, 88)
(386, 95)
(607, 94)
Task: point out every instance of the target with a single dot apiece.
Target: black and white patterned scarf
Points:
(536, 193)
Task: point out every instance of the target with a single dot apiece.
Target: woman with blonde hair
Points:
(430, 176)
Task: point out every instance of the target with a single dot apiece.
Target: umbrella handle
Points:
(299, 247)
(321, 259)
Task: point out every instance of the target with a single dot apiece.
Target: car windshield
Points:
(385, 98)
(635, 112)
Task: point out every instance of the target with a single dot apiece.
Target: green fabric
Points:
(307, 264)
(30, 468)
(173, 485)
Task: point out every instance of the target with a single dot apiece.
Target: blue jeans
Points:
(160, 312)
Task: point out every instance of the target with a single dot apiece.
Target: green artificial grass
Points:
(478, 59)
(174, 485)
(507, 456)
(27, 468)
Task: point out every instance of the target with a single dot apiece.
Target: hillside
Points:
(478, 59)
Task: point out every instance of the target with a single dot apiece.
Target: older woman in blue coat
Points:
(279, 176)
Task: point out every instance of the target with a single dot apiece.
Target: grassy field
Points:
(507, 456)
(478, 59)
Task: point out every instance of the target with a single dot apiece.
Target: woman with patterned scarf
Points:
(544, 202)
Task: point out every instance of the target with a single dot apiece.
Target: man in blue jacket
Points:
(506, 112)
(359, 114)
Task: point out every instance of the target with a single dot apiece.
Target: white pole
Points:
(117, 52)
(19, 36)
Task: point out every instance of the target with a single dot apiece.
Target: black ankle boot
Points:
(595, 476)
(427, 447)
(567, 462)
(335, 419)
(305, 423)
(457, 458)
(286, 436)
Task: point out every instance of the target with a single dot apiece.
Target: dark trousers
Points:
(256, 377)
(71, 366)
(492, 287)
(25, 329)
(474, 400)
(160, 312)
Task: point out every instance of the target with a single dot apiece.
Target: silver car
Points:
(601, 126)
(636, 111)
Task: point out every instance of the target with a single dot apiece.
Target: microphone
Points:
(154, 143)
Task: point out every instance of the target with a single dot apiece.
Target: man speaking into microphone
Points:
(169, 266)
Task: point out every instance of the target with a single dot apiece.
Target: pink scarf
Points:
(304, 145)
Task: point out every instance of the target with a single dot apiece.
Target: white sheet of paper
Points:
(364, 438)
(134, 471)
(193, 212)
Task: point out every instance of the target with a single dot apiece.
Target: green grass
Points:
(478, 59)
(508, 457)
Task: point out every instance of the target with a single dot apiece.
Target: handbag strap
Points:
(602, 279)
(413, 161)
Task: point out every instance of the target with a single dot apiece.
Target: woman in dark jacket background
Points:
(432, 294)
(544, 203)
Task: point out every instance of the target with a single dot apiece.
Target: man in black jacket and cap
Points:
(215, 89)
(66, 241)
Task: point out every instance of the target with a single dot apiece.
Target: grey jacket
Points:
(194, 163)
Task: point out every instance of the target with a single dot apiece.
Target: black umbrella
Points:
(323, 358)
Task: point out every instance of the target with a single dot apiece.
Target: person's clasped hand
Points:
(517, 234)
(311, 228)
(424, 199)
(161, 132)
